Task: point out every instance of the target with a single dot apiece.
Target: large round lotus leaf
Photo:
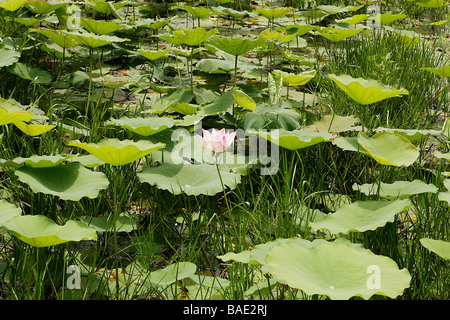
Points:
(411, 134)
(389, 148)
(118, 152)
(170, 274)
(335, 269)
(92, 40)
(334, 123)
(398, 189)
(361, 216)
(443, 72)
(88, 160)
(8, 57)
(143, 126)
(36, 161)
(27, 72)
(199, 12)
(432, 3)
(152, 54)
(61, 39)
(296, 79)
(295, 139)
(236, 46)
(273, 12)
(440, 247)
(8, 211)
(189, 179)
(100, 27)
(190, 37)
(243, 100)
(71, 181)
(387, 18)
(40, 231)
(335, 35)
(12, 5)
(33, 129)
(365, 91)
(11, 112)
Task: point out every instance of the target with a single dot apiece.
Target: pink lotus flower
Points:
(217, 140)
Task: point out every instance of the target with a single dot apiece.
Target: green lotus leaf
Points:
(349, 144)
(335, 34)
(409, 37)
(105, 223)
(355, 19)
(440, 247)
(33, 129)
(40, 231)
(188, 179)
(389, 148)
(92, 40)
(11, 112)
(235, 13)
(361, 216)
(387, 18)
(243, 100)
(70, 181)
(432, 3)
(88, 160)
(335, 269)
(12, 5)
(152, 54)
(116, 152)
(8, 211)
(43, 7)
(215, 66)
(143, 126)
(235, 46)
(36, 161)
(273, 12)
(297, 29)
(100, 27)
(330, 9)
(296, 79)
(411, 134)
(170, 274)
(334, 123)
(151, 24)
(107, 7)
(439, 23)
(441, 155)
(296, 139)
(274, 35)
(27, 72)
(397, 189)
(61, 39)
(190, 37)
(8, 57)
(365, 91)
(443, 72)
(184, 108)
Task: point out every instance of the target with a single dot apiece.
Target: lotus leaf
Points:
(40, 231)
(143, 126)
(443, 72)
(33, 129)
(118, 152)
(189, 179)
(440, 247)
(36, 161)
(398, 189)
(336, 269)
(8, 211)
(389, 148)
(71, 181)
(361, 216)
(295, 139)
(11, 112)
(365, 91)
